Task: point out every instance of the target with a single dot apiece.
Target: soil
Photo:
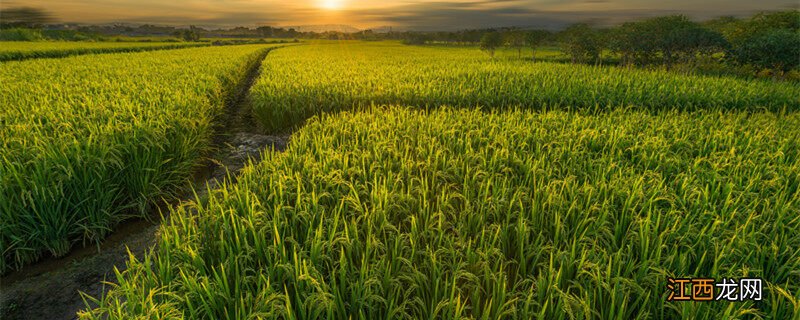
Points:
(51, 288)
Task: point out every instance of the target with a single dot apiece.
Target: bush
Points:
(20, 34)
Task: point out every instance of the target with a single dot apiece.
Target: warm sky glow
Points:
(415, 14)
(331, 4)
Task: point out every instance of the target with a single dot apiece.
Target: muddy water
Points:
(50, 289)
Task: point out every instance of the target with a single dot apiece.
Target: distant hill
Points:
(324, 28)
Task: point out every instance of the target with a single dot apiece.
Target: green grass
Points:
(544, 53)
(87, 140)
(397, 213)
(17, 50)
(327, 77)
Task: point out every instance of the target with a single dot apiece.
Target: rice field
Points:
(18, 50)
(326, 77)
(420, 182)
(402, 213)
(86, 141)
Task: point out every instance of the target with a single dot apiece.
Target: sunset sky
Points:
(442, 14)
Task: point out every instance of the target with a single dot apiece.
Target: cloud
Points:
(458, 16)
(221, 19)
(556, 14)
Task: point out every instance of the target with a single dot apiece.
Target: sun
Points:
(330, 4)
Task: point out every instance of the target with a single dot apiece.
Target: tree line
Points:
(763, 41)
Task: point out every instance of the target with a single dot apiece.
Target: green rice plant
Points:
(87, 141)
(16, 50)
(327, 77)
(454, 213)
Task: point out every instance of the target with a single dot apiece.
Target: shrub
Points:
(20, 34)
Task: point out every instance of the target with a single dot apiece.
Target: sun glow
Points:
(330, 4)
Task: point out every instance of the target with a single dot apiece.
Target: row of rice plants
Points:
(454, 213)
(324, 77)
(85, 139)
(17, 50)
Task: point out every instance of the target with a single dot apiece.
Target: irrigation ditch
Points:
(50, 288)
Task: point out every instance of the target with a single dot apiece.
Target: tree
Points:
(668, 34)
(191, 34)
(696, 40)
(491, 41)
(727, 26)
(535, 39)
(515, 39)
(416, 39)
(582, 43)
(777, 49)
(670, 37)
(633, 42)
(265, 31)
(763, 23)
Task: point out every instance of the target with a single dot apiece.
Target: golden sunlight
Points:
(330, 4)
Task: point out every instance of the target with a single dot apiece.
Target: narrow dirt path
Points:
(50, 288)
